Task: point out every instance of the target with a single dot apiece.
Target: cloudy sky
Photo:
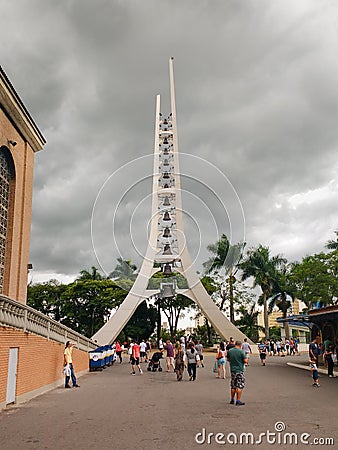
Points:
(257, 101)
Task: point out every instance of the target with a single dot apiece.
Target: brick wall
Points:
(40, 363)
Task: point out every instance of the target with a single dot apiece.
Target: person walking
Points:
(296, 345)
(143, 351)
(246, 349)
(118, 350)
(314, 350)
(148, 350)
(231, 344)
(179, 361)
(68, 364)
(182, 342)
(278, 347)
(199, 349)
(191, 354)
(237, 360)
(329, 360)
(135, 359)
(262, 352)
(314, 370)
(221, 360)
(170, 355)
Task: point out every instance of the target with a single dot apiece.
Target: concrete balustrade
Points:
(22, 317)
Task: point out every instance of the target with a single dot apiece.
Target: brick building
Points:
(20, 138)
(24, 332)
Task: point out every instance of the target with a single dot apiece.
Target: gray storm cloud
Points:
(257, 96)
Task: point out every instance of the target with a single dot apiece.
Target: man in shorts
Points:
(170, 355)
(143, 350)
(237, 360)
(199, 350)
(135, 359)
(262, 352)
(246, 349)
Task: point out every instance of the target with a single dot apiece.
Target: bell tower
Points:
(167, 250)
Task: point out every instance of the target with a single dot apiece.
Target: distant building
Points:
(20, 138)
(296, 330)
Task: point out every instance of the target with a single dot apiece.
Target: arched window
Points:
(7, 177)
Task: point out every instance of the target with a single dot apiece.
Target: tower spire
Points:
(167, 250)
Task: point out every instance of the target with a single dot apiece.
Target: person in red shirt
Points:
(118, 350)
(135, 359)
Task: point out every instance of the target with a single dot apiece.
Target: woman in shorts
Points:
(221, 361)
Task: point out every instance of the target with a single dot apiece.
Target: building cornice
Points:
(16, 110)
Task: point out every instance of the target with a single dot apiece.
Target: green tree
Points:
(263, 268)
(211, 286)
(173, 308)
(282, 289)
(45, 297)
(92, 274)
(248, 321)
(142, 323)
(331, 244)
(87, 304)
(224, 261)
(315, 279)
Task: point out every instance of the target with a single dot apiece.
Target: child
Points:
(314, 369)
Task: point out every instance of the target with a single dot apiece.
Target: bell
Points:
(167, 269)
(165, 141)
(166, 186)
(166, 216)
(165, 162)
(166, 175)
(165, 122)
(167, 291)
(167, 250)
(166, 232)
(166, 202)
(165, 151)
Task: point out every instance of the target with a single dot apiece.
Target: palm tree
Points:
(259, 265)
(93, 274)
(248, 322)
(332, 245)
(226, 257)
(123, 270)
(281, 290)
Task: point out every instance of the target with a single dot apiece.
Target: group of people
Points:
(279, 347)
(316, 348)
(182, 354)
(222, 352)
(144, 350)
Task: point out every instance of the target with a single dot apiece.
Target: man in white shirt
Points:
(143, 350)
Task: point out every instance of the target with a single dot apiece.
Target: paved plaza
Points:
(114, 410)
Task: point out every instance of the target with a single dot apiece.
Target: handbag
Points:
(66, 370)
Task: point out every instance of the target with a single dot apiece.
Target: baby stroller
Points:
(154, 363)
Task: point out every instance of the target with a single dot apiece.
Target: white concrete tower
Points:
(167, 249)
